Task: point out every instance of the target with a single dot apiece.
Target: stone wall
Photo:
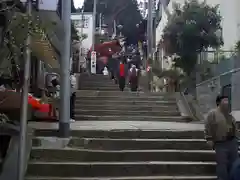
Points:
(236, 91)
(208, 90)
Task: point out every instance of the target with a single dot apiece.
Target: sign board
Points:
(93, 62)
(48, 5)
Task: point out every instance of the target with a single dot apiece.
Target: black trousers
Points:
(122, 83)
(134, 84)
(72, 105)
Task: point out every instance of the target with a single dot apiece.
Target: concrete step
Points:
(98, 84)
(94, 87)
(130, 118)
(83, 155)
(110, 169)
(99, 81)
(125, 102)
(100, 88)
(82, 86)
(124, 93)
(127, 134)
(125, 113)
(96, 80)
(127, 107)
(95, 77)
(129, 178)
(135, 144)
(129, 98)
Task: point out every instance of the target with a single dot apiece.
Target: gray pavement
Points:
(122, 125)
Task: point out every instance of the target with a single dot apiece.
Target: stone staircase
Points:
(100, 99)
(97, 82)
(131, 154)
(125, 155)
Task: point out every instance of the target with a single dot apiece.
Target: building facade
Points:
(84, 25)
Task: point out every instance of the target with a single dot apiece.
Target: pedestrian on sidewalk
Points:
(220, 132)
(122, 76)
(73, 81)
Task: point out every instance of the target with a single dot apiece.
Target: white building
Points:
(229, 10)
(84, 25)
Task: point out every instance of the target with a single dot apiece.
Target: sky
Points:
(79, 3)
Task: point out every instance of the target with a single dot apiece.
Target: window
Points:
(81, 23)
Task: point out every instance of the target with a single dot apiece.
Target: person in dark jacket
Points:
(221, 135)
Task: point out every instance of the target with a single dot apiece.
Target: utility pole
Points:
(80, 56)
(150, 29)
(24, 108)
(93, 55)
(82, 26)
(114, 27)
(154, 25)
(100, 23)
(64, 121)
(149, 41)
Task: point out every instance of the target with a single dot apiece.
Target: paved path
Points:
(120, 125)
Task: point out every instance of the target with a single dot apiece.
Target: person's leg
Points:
(222, 161)
(233, 153)
(121, 83)
(134, 85)
(112, 75)
(72, 106)
(124, 83)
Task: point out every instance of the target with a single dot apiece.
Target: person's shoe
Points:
(72, 120)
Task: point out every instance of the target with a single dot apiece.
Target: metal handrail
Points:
(188, 106)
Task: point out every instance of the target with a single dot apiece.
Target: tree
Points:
(120, 11)
(191, 29)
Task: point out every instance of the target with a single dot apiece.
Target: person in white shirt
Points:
(105, 71)
(73, 81)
